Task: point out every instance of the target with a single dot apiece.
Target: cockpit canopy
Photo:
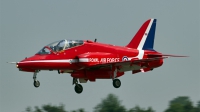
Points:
(60, 45)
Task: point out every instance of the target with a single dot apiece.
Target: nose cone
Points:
(27, 62)
(35, 57)
(22, 63)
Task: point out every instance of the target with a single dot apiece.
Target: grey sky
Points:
(27, 25)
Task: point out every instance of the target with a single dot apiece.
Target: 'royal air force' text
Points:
(104, 60)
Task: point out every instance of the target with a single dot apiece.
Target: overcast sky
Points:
(27, 25)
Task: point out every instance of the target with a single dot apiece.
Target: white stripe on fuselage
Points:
(144, 37)
(84, 60)
(59, 61)
(140, 54)
(54, 61)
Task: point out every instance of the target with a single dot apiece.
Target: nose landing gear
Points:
(36, 83)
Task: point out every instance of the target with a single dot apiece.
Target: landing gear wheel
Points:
(36, 83)
(116, 83)
(78, 88)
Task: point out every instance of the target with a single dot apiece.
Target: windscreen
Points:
(60, 45)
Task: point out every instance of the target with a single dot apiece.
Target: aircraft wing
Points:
(133, 61)
(136, 61)
(129, 62)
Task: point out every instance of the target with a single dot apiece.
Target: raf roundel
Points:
(125, 58)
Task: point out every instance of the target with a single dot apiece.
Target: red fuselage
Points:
(79, 58)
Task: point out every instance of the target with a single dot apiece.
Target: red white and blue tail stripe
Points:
(144, 38)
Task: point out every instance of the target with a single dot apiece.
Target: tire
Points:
(116, 83)
(36, 83)
(78, 88)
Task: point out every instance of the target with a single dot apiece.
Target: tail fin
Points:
(144, 38)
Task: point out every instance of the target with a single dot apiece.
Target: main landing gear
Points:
(78, 87)
(116, 83)
(36, 83)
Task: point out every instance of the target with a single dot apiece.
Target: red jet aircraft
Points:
(90, 60)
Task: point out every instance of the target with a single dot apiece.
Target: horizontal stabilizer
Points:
(166, 55)
(145, 70)
(147, 59)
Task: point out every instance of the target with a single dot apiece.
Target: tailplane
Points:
(144, 38)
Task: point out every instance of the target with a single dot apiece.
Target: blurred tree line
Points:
(112, 104)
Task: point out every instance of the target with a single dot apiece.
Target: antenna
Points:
(95, 40)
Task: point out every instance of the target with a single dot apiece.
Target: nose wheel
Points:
(116, 83)
(36, 83)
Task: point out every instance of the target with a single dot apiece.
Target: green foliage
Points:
(181, 104)
(198, 104)
(138, 109)
(28, 109)
(79, 110)
(47, 108)
(110, 104)
(182, 100)
(51, 108)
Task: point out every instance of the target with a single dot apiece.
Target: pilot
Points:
(52, 48)
(73, 43)
(43, 51)
(67, 45)
(60, 45)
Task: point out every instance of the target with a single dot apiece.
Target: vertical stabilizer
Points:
(144, 38)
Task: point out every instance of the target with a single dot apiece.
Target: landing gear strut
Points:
(116, 83)
(78, 87)
(36, 83)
